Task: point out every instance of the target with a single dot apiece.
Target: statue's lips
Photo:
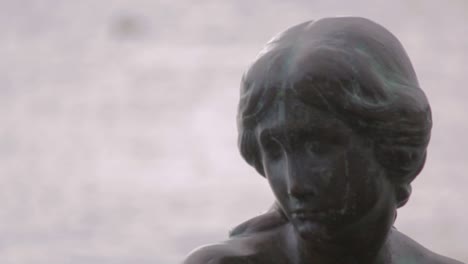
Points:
(315, 215)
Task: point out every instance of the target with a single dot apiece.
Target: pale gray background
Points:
(118, 137)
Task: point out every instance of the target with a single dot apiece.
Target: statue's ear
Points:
(403, 192)
(259, 167)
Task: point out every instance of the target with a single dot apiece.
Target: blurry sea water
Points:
(118, 136)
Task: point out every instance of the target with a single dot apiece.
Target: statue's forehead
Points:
(291, 113)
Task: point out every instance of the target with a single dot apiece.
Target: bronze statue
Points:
(332, 115)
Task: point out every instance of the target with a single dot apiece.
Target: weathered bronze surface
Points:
(332, 115)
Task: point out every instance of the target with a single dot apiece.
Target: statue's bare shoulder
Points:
(237, 250)
(221, 253)
(406, 250)
(246, 244)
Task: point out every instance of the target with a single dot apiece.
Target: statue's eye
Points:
(316, 147)
(272, 148)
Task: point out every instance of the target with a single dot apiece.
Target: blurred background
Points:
(118, 134)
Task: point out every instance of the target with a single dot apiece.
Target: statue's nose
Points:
(297, 190)
(303, 181)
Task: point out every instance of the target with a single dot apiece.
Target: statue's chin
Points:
(312, 231)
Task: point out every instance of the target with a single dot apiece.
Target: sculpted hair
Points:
(356, 70)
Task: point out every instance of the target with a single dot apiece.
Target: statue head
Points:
(334, 104)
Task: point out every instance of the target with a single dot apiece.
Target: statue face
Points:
(323, 174)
